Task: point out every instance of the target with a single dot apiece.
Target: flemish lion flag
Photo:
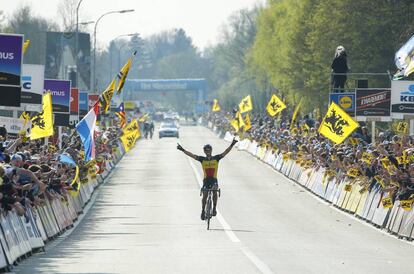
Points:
(246, 104)
(131, 127)
(295, 113)
(144, 118)
(42, 123)
(26, 117)
(122, 75)
(238, 122)
(247, 123)
(26, 45)
(128, 140)
(337, 125)
(275, 105)
(105, 99)
(216, 106)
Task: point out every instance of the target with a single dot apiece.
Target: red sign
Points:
(74, 101)
(92, 99)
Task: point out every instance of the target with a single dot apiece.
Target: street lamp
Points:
(94, 42)
(110, 51)
(76, 40)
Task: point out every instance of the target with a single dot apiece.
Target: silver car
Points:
(168, 130)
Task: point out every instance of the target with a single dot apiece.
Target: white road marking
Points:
(261, 266)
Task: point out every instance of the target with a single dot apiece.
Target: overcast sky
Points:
(201, 19)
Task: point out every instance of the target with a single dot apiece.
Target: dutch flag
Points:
(86, 129)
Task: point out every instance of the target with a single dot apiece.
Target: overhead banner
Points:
(11, 51)
(32, 84)
(60, 90)
(373, 102)
(345, 100)
(83, 104)
(402, 98)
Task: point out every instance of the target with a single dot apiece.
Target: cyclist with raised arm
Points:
(209, 164)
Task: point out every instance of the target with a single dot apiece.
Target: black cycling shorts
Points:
(210, 183)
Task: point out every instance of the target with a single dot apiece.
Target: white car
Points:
(168, 130)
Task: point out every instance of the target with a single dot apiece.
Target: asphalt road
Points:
(146, 219)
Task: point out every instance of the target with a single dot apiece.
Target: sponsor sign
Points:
(74, 107)
(373, 102)
(60, 90)
(83, 104)
(92, 99)
(402, 98)
(11, 51)
(32, 84)
(345, 100)
(61, 119)
(13, 125)
(74, 101)
(130, 105)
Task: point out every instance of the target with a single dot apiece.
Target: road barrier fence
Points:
(366, 204)
(20, 236)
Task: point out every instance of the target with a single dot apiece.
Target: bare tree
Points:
(67, 11)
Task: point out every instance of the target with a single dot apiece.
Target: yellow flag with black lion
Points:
(337, 125)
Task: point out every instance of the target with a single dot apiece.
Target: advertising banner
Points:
(83, 104)
(74, 107)
(11, 51)
(12, 125)
(373, 102)
(402, 98)
(60, 90)
(74, 101)
(92, 99)
(345, 100)
(32, 84)
(61, 119)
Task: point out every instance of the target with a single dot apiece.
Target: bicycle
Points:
(208, 210)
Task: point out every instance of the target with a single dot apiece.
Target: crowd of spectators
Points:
(386, 163)
(32, 171)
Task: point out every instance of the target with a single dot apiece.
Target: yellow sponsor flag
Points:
(42, 123)
(106, 97)
(275, 105)
(337, 125)
(216, 106)
(247, 123)
(246, 104)
(295, 113)
(26, 45)
(122, 75)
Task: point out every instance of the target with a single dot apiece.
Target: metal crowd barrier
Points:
(20, 236)
(354, 199)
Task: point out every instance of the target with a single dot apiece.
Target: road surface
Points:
(146, 219)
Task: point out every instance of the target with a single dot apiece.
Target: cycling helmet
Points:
(207, 147)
